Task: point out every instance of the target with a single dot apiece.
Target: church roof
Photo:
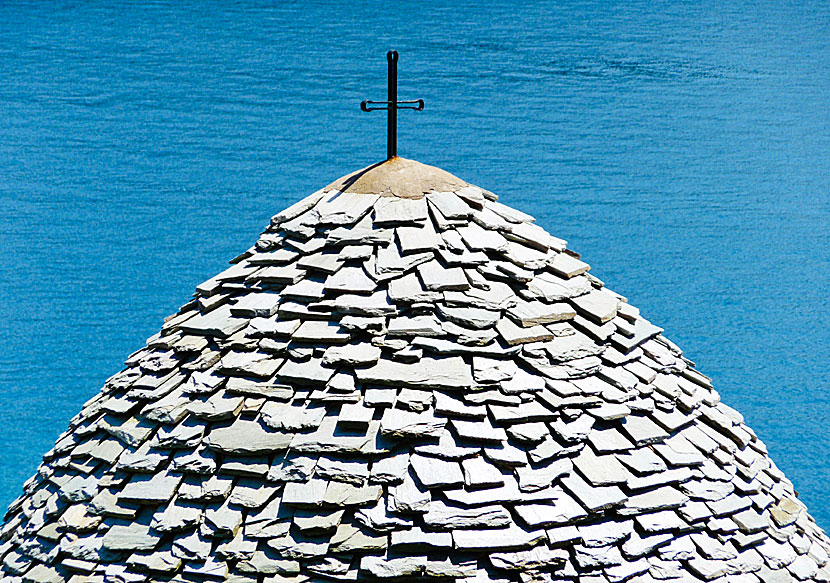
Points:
(406, 379)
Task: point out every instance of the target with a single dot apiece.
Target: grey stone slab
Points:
(512, 537)
(595, 557)
(221, 405)
(182, 436)
(409, 289)
(532, 479)
(390, 469)
(449, 205)
(514, 334)
(603, 470)
(449, 372)
(324, 262)
(729, 505)
(252, 493)
(219, 322)
(379, 519)
(256, 466)
(643, 430)
(663, 498)
(570, 344)
(79, 489)
(594, 498)
(466, 259)
(295, 468)
(522, 413)
(328, 439)
(343, 208)
(567, 266)
(276, 257)
(561, 511)
(285, 274)
(350, 538)
(408, 497)
(311, 371)
(635, 482)
(146, 489)
(643, 461)
(320, 331)
(598, 305)
(535, 312)
(353, 472)
(261, 304)
(663, 521)
(749, 521)
(308, 493)
(273, 327)
(346, 494)
(417, 537)
(400, 211)
(391, 263)
(350, 280)
(402, 424)
(505, 455)
(299, 546)
(497, 296)
(133, 537)
(423, 325)
(448, 448)
(442, 516)
(492, 370)
(477, 430)
(305, 290)
(247, 438)
(380, 397)
(539, 558)
(532, 432)
(507, 493)
(414, 399)
(289, 418)
(679, 451)
(435, 277)
(253, 388)
(478, 473)
(480, 239)
(441, 346)
(363, 234)
(524, 382)
(387, 568)
(351, 355)
(435, 472)
(355, 415)
(450, 406)
(418, 239)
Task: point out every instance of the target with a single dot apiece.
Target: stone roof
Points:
(403, 379)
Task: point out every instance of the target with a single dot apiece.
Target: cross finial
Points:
(392, 105)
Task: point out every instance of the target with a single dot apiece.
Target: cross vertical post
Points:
(392, 105)
(392, 100)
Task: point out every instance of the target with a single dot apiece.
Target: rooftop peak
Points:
(398, 177)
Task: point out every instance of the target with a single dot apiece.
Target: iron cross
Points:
(392, 105)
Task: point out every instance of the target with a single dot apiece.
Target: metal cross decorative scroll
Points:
(392, 105)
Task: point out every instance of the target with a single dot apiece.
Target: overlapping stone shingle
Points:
(420, 384)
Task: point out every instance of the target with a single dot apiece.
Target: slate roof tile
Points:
(393, 386)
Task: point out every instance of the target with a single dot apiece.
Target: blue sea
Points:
(683, 148)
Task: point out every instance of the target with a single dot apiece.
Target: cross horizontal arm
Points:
(416, 104)
(392, 105)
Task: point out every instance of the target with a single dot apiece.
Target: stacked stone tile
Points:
(405, 379)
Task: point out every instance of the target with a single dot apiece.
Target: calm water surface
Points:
(683, 150)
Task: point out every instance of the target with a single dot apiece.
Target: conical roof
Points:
(404, 379)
